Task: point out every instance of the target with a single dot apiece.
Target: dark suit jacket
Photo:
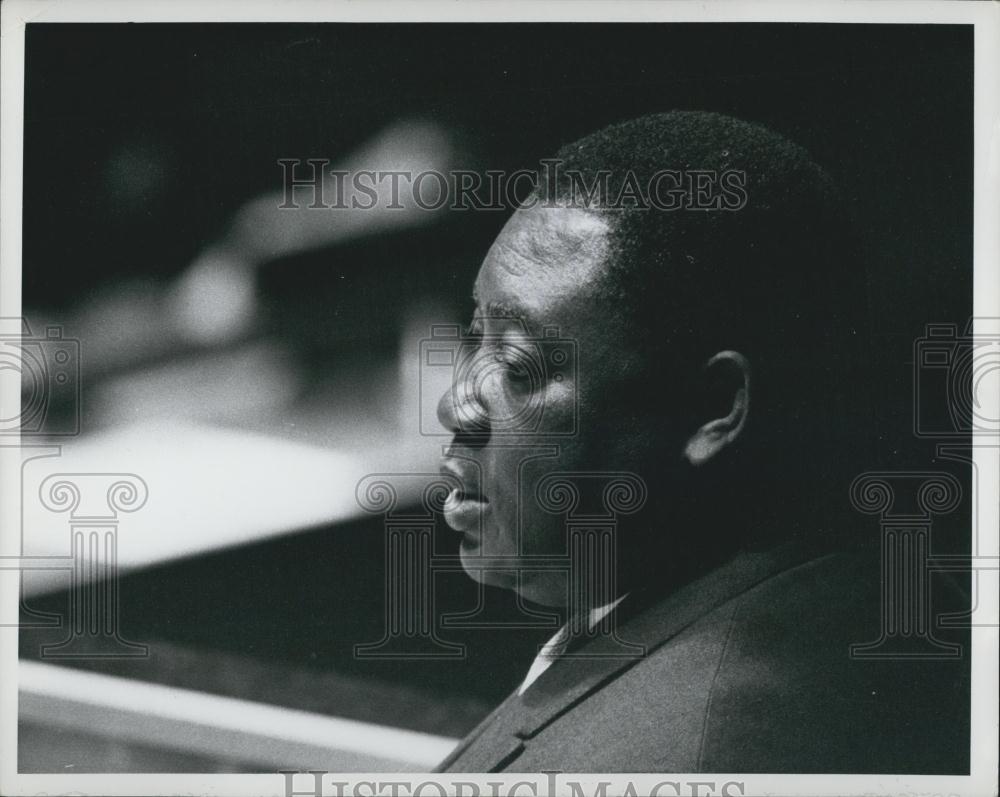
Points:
(746, 669)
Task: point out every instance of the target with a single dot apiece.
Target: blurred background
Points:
(252, 364)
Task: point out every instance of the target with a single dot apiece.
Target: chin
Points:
(543, 592)
(477, 567)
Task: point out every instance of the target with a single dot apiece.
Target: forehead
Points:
(545, 259)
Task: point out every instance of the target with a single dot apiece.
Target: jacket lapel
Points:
(474, 735)
(576, 675)
(499, 739)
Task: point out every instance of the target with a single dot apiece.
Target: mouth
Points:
(463, 493)
(464, 510)
(465, 505)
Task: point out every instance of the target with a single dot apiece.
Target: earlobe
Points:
(718, 433)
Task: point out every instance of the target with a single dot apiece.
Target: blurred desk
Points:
(209, 488)
(145, 722)
(249, 575)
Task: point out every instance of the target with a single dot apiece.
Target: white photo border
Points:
(984, 16)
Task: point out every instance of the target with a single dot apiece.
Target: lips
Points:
(464, 494)
(463, 512)
(465, 505)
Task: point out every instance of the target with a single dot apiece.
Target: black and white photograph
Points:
(489, 399)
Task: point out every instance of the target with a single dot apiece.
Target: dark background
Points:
(887, 109)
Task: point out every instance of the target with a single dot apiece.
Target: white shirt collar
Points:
(556, 646)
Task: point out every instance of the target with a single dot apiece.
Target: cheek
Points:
(544, 533)
(561, 404)
(515, 475)
(619, 424)
(500, 468)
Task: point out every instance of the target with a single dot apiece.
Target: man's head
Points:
(704, 341)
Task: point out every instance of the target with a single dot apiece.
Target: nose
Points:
(461, 412)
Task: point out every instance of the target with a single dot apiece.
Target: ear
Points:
(732, 371)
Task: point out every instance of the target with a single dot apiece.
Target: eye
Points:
(516, 363)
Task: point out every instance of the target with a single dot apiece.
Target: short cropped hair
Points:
(771, 272)
(761, 269)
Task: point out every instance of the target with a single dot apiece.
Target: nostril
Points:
(465, 420)
(463, 414)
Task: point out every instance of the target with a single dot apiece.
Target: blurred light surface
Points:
(214, 301)
(210, 725)
(208, 488)
(227, 385)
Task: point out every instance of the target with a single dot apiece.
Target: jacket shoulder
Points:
(765, 682)
(791, 695)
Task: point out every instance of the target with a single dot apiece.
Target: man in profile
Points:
(715, 374)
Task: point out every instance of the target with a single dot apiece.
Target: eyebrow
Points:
(504, 310)
(500, 309)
